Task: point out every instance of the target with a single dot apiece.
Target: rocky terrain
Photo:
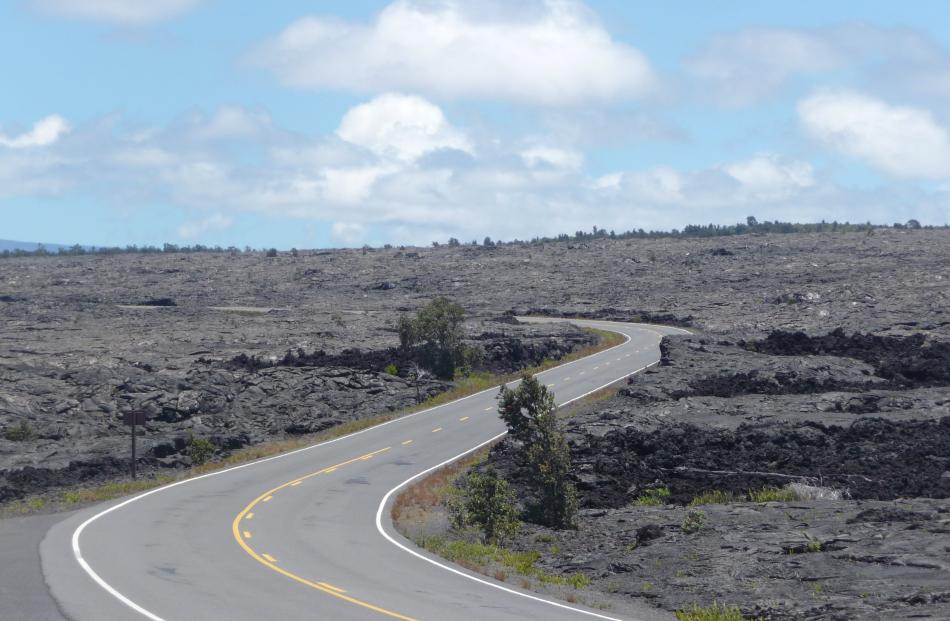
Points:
(201, 342)
(859, 425)
(73, 404)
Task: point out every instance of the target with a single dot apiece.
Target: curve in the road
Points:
(191, 570)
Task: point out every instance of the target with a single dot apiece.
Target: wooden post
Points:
(132, 419)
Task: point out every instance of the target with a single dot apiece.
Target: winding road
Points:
(307, 534)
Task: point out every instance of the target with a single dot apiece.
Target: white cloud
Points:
(655, 186)
(129, 12)
(230, 122)
(348, 232)
(351, 185)
(745, 66)
(900, 140)
(375, 197)
(767, 176)
(45, 132)
(403, 127)
(552, 156)
(197, 228)
(546, 51)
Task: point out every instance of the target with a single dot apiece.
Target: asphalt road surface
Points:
(307, 534)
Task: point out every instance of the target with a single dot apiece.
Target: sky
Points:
(327, 124)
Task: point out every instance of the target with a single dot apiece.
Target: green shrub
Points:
(653, 497)
(774, 494)
(487, 503)
(578, 581)
(200, 450)
(391, 369)
(21, 432)
(714, 497)
(693, 521)
(715, 612)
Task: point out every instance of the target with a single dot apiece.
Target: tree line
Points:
(750, 226)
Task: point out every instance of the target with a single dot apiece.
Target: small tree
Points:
(488, 503)
(523, 408)
(530, 413)
(21, 432)
(434, 337)
(200, 450)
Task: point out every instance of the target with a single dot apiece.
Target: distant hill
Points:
(9, 244)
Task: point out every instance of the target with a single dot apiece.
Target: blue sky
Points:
(341, 123)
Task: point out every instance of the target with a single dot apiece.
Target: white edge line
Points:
(384, 502)
(77, 551)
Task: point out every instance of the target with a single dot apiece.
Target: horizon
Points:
(20, 247)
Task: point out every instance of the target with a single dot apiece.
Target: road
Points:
(307, 534)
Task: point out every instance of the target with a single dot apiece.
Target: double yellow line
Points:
(271, 563)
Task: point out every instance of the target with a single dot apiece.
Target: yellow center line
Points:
(270, 562)
(296, 483)
(463, 419)
(437, 430)
(330, 586)
(407, 442)
(268, 499)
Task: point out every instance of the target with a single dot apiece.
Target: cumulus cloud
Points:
(748, 65)
(745, 66)
(403, 127)
(45, 132)
(374, 195)
(348, 232)
(902, 141)
(126, 12)
(552, 156)
(545, 51)
(767, 176)
(230, 122)
(197, 228)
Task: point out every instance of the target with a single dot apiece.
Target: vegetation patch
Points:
(713, 612)
(21, 432)
(484, 558)
(654, 497)
(774, 494)
(715, 497)
(694, 521)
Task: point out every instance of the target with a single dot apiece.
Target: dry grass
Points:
(576, 407)
(414, 503)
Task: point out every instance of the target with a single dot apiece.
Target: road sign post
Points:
(132, 419)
